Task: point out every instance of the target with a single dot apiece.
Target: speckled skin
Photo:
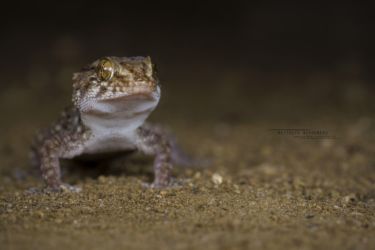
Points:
(112, 98)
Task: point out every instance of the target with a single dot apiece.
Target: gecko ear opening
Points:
(105, 69)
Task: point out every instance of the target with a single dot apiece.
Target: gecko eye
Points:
(105, 69)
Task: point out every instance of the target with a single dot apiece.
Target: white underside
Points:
(114, 125)
(110, 141)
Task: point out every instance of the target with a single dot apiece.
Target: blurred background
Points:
(234, 61)
(230, 72)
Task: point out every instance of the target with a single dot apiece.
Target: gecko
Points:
(112, 98)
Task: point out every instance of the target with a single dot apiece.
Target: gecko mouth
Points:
(146, 96)
(122, 103)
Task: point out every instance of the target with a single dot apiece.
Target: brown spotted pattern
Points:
(65, 135)
(131, 75)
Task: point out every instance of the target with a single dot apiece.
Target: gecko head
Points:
(116, 83)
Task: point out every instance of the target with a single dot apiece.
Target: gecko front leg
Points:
(49, 156)
(64, 139)
(151, 140)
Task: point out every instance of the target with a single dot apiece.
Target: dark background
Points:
(266, 35)
(267, 46)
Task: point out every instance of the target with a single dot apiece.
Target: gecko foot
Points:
(63, 188)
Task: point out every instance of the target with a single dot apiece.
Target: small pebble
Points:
(350, 198)
(217, 179)
(197, 175)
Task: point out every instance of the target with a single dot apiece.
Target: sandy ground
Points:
(262, 191)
